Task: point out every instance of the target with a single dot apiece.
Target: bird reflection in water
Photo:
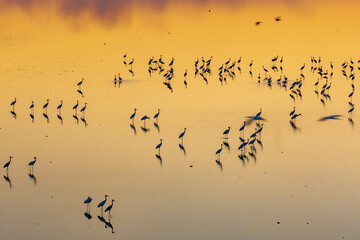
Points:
(219, 164)
(242, 158)
(46, 117)
(252, 154)
(260, 143)
(107, 223)
(226, 144)
(145, 129)
(132, 126)
(181, 146)
(7, 178)
(157, 126)
(87, 215)
(81, 93)
(84, 121)
(13, 113)
(293, 125)
(159, 157)
(60, 118)
(32, 176)
(76, 118)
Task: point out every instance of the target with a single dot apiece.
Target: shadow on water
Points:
(182, 148)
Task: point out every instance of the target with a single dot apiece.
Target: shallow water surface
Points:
(302, 182)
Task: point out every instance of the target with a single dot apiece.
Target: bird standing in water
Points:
(108, 209)
(102, 203)
(226, 132)
(132, 117)
(60, 106)
(31, 165)
(80, 83)
(159, 145)
(7, 165)
(13, 104)
(32, 106)
(46, 105)
(218, 152)
(76, 106)
(144, 119)
(87, 202)
(181, 136)
(83, 109)
(157, 115)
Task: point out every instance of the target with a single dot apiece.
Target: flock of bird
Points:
(227, 70)
(59, 108)
(31, 170)
(101, 206)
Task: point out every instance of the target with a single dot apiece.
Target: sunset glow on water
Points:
(299, 180)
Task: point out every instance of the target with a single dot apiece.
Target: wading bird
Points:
(219, 151)
(60, 106)
(31, 165)
(13, 104)
(226, 132)
(76, 106)
(108, 209)
(32, 106)
(80, 83)
(8, 164)
(102, 203)
(181, 136)
(83, 109)
(159, 145)
(87, 202)
(46, 104)
(144, 119)
(157, 115)
(133, 115)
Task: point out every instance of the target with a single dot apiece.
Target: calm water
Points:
(303, 183)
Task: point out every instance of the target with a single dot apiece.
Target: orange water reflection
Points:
(308, 175)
